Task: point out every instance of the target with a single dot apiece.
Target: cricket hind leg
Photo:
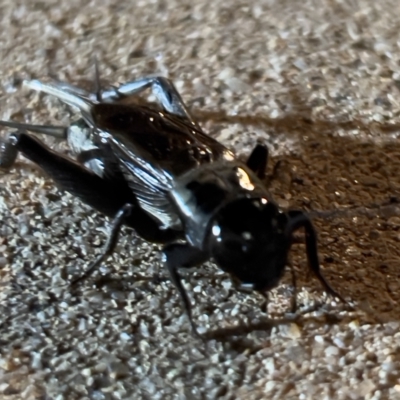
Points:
(68, 94)
(9, 145)
(59, 132)
(107, 195)
(78, 136)
(112, 197)
(162, 88)
(69, 175)
(8, 153)
(9, 148)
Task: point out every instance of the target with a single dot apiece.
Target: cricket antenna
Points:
(97, 86)
(374, 210)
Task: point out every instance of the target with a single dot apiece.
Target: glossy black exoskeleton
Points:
(160, 174)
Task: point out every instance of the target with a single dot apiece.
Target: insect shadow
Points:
(157, 172)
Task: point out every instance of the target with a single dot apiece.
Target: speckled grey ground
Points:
(319, 81)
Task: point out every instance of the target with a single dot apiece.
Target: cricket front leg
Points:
(300, 220)
(258, 160)
(179, 255)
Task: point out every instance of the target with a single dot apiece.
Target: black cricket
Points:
(157, 172)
